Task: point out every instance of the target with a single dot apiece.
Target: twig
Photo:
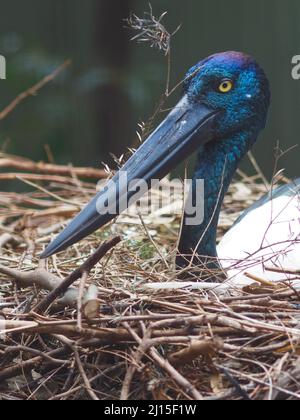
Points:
(26, 366)
(258, 170)
(141, 351)
(22, 164)
(197, 348)
(146, 345)
(80, 299)
(86, 267)
(175, 375)
(84, 376)
(42, 279)
(34, 89)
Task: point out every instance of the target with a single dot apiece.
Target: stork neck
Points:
(216, 164)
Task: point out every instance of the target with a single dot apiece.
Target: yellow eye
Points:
(225, 86)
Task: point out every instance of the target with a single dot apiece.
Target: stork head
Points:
(223, 94)
(232, 82)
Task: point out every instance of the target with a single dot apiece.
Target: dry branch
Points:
(34, 89)
(12, 176)
(26, 165)
(86, 267)
(207, 347)
(42, 279)
(26, 366)
(154, 336)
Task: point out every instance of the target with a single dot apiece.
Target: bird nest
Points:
(84, 325)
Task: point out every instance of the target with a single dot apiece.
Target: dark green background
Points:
(93, 109)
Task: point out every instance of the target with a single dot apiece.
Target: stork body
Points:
(265, 238)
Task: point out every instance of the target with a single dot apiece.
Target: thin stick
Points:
(11, 176)
(80, 300)
(153, 242)
(258, 169)
(85, 379)
(175, 375)
(34, 89)
(85, 268)
(137, 358)
(22, 164)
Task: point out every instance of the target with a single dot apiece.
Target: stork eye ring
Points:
(225, 86)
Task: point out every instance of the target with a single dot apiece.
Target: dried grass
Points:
(151, 30)
(133, 343)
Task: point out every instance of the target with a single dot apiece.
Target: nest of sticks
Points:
(82, 325)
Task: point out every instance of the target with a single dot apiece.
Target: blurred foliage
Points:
(93, 108)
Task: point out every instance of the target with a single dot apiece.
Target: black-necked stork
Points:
(223, 110)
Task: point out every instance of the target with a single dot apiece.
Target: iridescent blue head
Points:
(221, 114)
(234, 82)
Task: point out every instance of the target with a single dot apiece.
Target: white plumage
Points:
(267, 236)
(264, 238)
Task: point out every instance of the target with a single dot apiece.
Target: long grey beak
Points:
(187, 127)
